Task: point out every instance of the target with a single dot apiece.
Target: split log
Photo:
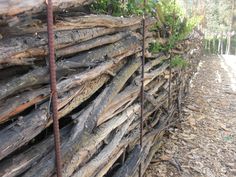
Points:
(15, 50)
(109, 165)
(91, 115)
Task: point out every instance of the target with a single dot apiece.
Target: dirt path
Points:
(204, 144)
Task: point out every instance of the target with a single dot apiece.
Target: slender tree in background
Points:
(230, 29)
(218, 23)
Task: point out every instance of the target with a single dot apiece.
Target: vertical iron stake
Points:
(53, 85)
(142, 85)
(169, 91)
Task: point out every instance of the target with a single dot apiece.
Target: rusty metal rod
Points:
(169, 89)
(53, 85)
(142, 84)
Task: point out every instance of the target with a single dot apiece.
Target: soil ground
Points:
(204, 143)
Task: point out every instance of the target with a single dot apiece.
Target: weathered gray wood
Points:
(91, 116)
(105, 155)
(16, 50)
(41, 75)
(26, 128)
(83, 149)
(25, 49)
(131, 164)
(19, 103)
(19, 163)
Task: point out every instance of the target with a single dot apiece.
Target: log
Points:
(33, 123)
(12, 7)
(131, 164)
(24, 49)
(16, 105)
(109, 165)
(16, 49)
(85, 22)
(84, 148)
(98, 72)
(98, 162)
(18, 163)
(91, 115)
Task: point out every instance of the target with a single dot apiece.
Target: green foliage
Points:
(113, 7)
(156, 48)
(125, 8)
(178, 62)
(168, 14)
(173, 18)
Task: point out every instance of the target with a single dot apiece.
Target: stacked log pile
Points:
(98, 82)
